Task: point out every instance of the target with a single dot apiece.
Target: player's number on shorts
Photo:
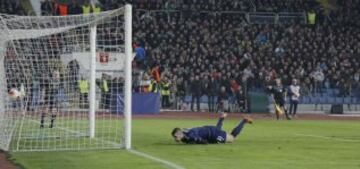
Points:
(220, 139)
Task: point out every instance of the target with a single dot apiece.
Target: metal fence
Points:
(250, 17)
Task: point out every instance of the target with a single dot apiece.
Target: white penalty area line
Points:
(167, 163)
(328, 138)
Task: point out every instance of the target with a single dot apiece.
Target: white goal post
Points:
(74, 79)
(128, 77)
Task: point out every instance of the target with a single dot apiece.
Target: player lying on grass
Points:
(208, 134)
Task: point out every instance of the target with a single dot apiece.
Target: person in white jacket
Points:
(294, 91)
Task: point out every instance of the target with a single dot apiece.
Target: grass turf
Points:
(262, 145)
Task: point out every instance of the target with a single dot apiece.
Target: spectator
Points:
(61, 9)
(180, 94)
(279, 51)
(86, 8)
(154, 86)
(47, 8)
(104, 87)
(294, 92)
(223, 100)
(311, 16)
(235, 87)
(204, 84)
(74, 8)
(84, 91)
(213, 90)
(195, 88)
(318, 76)
(165, 92)
(96, 8)
(241, 100)
(140, 56)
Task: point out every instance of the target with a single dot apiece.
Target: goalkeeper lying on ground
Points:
(208, 134)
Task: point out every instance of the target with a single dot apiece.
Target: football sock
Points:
(220, 123)
(236, 131)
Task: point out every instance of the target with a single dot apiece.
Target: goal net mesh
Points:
(45, 81)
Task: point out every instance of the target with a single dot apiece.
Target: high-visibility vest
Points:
(86, 9)
(165, 89)
(311, 18)
(153, 87)
(104, 86)
(96, 9)
(84, 86)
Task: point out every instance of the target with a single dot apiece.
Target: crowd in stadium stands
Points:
(217, 5)
(191, 50)
(51, 7)
(320, 56)
(285, 5)
(12, 7)
(201, 53)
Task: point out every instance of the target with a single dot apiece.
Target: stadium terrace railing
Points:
(251, 17)
(276, 18)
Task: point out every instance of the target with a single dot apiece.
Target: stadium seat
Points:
(301, 100)
(323, 100)
(347, 100)
(305, 100)
(329, 92)
(339, 100)
(313, 100)
(317, 94)
(354, 100)
(331, 100)
(204, 99)
(187, 99)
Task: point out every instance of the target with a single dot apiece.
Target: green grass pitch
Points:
(265, 144)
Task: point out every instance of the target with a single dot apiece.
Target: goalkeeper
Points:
(209, 134)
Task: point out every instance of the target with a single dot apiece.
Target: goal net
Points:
(65, 81)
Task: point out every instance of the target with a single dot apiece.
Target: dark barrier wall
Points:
(259, 102)
(148, 103)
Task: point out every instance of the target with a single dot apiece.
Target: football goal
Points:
(65, 81)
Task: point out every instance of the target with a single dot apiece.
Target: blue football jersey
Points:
(204, 135)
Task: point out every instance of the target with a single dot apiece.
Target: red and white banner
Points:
(106, 62)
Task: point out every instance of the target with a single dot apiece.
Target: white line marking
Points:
(328, 138)
(77, 132)
(345, 115)
(168, 163)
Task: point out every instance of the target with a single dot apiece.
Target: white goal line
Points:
(165, 162)
(82, 134)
